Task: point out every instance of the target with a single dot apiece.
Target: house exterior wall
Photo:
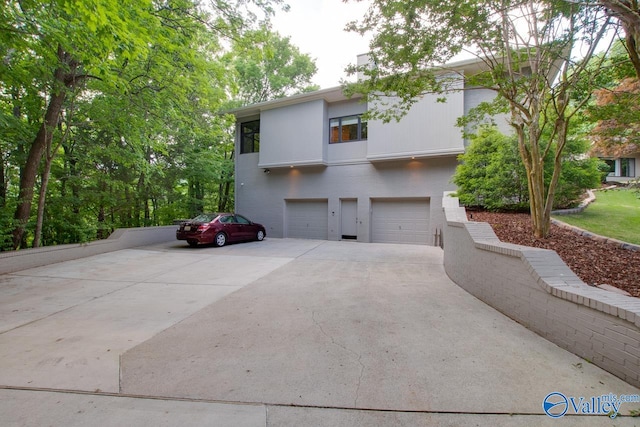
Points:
(474, 96)
(627, 172)
(263, 196)
(404, 165)
(429, 128)
(294, 135)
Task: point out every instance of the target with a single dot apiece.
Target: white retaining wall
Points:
(122, 238)
(537, 289)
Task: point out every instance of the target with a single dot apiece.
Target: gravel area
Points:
(594, 262)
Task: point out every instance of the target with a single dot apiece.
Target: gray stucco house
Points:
(309, 166)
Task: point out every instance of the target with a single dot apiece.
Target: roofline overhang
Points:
(334, 94)
(462, 67)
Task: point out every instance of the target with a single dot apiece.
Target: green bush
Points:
(577, 176)
(491, 174)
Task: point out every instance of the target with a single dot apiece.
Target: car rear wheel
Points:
(260, 236)
(221, 239)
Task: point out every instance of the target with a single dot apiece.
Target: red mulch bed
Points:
(594, 262)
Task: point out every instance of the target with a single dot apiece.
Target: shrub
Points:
(491, 174)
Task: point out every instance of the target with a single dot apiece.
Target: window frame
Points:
(254, 142)
(627, 167)
(362, 131)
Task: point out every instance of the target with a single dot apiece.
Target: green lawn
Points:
(615, 213)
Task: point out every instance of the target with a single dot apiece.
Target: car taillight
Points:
(203, 227)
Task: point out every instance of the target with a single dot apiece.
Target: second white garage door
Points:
(400, 221)
(307, 219)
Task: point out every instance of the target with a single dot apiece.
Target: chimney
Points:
(364, 60)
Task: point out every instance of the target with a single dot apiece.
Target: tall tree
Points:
(527, 49)
(72, 40)
(627, 12)
(51, 48)
(269, 66)
(265, 66)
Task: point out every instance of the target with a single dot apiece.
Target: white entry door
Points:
(349, 219)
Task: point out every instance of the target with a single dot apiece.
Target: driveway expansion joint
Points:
(348, 350)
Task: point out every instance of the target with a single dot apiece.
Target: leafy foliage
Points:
(268, 66)
(618, 110)
(524, 50)
(110, 113)
(491, 174)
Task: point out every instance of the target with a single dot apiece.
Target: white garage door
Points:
(400, 221)
(307, 219)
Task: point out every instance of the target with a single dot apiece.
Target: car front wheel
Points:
(260, 236)
(221, 239)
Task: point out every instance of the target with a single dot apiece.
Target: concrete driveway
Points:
(280, 332)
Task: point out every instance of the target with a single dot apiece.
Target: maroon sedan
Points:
(219, 229)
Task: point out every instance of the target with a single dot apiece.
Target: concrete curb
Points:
(596, 237)
(591, 197)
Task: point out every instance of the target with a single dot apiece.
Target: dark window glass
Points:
(205, 217)
(334, 130)
(612, 165)
(628, 167)
(346, 129)
(250, 137)
(242, 220)
(350, 129)
(226, 219)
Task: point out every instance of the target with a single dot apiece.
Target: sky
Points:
(316, 27)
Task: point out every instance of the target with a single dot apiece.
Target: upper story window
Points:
(250, 137)
(347, 129)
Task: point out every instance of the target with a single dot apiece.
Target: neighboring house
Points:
(622, 159)
(309, 166)
(623, 169)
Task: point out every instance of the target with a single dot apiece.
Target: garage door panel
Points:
(400, 221)
(307, 219)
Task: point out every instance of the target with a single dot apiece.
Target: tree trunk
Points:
(224, 189)
(3, 182)
(28, 178)
(102, 233)
(628, 13)
(196, 198)
(41, 200)
(63, 78)
(633, 42)
(224, 197)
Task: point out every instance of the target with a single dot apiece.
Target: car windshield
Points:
(205, 217)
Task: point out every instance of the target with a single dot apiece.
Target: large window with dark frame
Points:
(347, 129)
(250, 137)
(628, 167)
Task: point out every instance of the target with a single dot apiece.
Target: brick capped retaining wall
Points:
(122, 238)
(537, 289)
